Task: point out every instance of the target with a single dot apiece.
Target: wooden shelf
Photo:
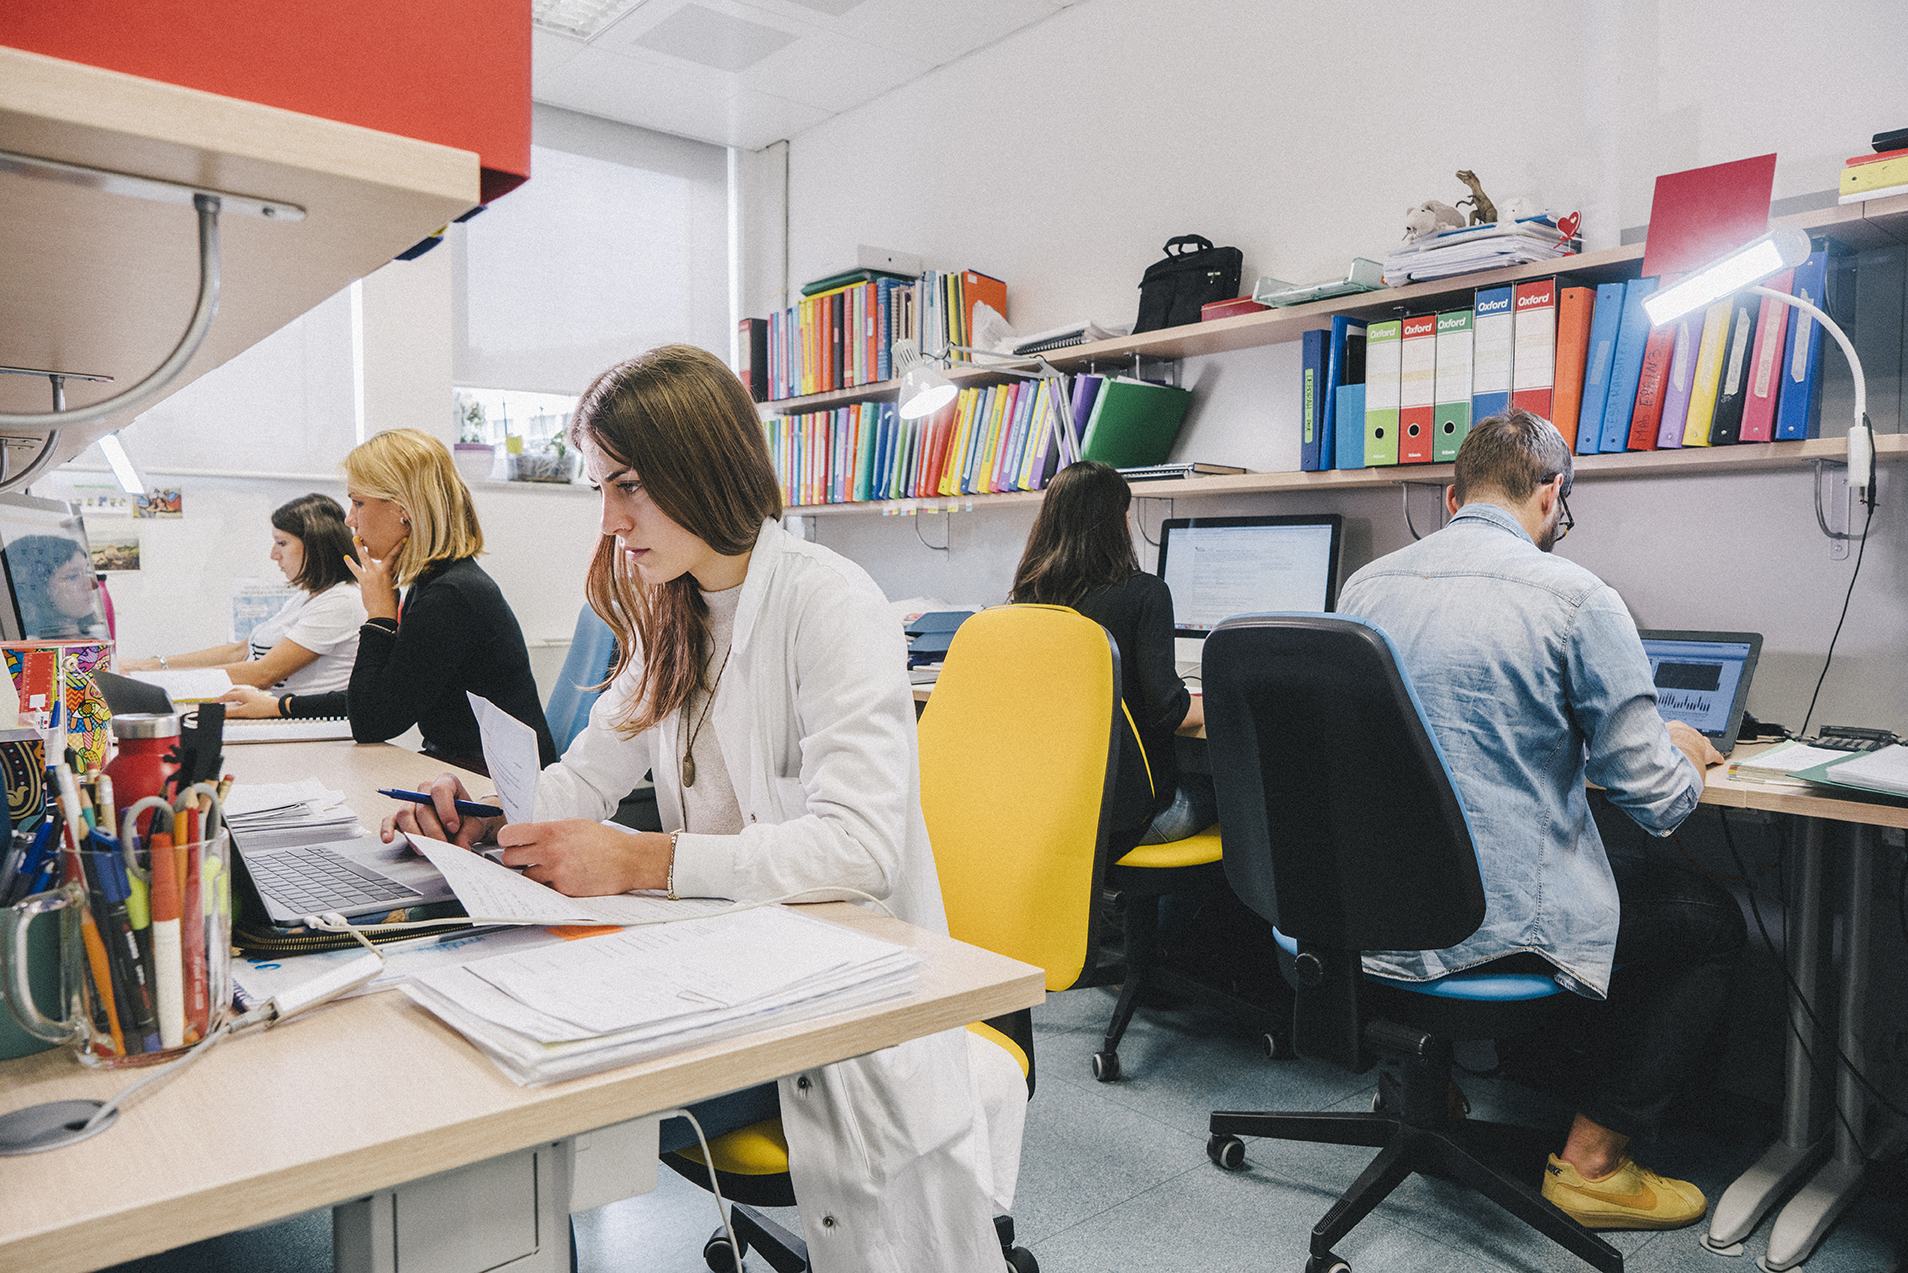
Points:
(1859, 226)
(1689, 462)
(103, 283)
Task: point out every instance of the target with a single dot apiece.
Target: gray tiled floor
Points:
(1115, 1179)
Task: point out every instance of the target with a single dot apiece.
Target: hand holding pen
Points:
(445, 813)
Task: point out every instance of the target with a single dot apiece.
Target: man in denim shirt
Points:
(1533, 678)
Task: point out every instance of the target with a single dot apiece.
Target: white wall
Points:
(1062, 157)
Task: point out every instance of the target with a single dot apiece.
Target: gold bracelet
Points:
(670, 886)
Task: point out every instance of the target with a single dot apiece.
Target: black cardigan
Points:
(1138, 612)
(456, 633)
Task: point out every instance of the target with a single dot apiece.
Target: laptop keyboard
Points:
(314, 878)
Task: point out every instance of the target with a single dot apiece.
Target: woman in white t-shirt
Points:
(308, 647)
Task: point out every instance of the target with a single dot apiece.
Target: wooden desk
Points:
(375, 1091)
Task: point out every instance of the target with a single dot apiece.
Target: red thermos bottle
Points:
(140, 768)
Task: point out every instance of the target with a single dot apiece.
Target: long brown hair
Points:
(1079, 542)
(679, 420)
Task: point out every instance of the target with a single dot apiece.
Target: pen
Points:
(469, 808)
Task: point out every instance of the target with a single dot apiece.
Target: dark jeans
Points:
(1678, 943)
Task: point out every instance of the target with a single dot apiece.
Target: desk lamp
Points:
(1778, 250)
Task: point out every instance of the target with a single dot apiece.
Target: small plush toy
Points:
(1429, 217)
(1520, 208)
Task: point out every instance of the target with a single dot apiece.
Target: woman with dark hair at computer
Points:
(307, 647)
(53, 584)
(415, 528)
(1080, 554)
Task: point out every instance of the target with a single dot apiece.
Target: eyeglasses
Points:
(1565, 522)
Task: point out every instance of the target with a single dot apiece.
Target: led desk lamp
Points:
(1774, 252)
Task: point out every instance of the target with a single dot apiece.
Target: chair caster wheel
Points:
(1329, 1264)
(1106, 1066)
(1227, 1153)
(1278, 1049)
(1021, 1260)
(717, 1255)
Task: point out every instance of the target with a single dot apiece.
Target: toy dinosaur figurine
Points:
(1482, 209)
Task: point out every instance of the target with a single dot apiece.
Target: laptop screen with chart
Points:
(1702, 679)
(1218, 567)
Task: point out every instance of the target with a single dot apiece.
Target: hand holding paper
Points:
(510, 753)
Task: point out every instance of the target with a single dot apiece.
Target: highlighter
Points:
(168, 970)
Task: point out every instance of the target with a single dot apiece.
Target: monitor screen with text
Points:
(1218, 567)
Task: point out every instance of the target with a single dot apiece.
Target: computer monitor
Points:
(49, 571)
(1221, 566)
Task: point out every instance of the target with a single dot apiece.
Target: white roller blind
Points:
(618, 242)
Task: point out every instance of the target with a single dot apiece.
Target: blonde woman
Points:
(762, 680)
(414, 528)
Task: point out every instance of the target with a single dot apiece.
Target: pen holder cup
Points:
(134, 989)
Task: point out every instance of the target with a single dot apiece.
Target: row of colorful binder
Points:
(843, 336)
(1587, 358)
(990, 441)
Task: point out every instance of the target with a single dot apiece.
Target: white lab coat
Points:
(891, 1159)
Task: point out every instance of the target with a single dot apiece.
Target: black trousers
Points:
(1679, 939)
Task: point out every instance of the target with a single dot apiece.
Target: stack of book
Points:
(1009, 437)
(1478, 247)
(1586, 358)
(840, 334)
(1875, 176)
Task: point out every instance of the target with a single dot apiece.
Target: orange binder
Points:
(1574, 308)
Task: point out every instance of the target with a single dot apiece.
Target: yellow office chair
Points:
(1020, 750)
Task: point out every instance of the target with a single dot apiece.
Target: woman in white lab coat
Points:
(761, 679)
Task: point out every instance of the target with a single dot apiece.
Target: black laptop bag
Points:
(1193, 273)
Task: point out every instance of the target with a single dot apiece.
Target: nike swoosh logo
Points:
(1643, 1199)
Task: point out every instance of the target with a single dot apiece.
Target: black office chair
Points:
(1344, 830)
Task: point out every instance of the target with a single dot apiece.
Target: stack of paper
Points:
(304, 806)
(1479, 247)
(1884, 770)
(556, 1012)
(1779, 764)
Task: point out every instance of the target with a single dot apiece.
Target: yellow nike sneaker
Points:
(1631, 1197)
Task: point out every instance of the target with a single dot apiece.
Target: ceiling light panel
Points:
(718, 40)
(579, 17)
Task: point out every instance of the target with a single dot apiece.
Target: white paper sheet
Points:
(496, 894)
(188, 685)
(510, 753)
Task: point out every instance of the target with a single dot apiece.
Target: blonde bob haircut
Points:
(414, 470)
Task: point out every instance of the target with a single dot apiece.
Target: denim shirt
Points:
(1533, 679)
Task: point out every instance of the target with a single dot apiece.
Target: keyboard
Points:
(285, 731)
(313, 878)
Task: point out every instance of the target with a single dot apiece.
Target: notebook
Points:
(1702, 678)
(130, 694)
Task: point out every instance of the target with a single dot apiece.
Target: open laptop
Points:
(1702, 678)
(364, 876)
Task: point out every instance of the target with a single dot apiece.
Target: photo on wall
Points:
(116, 551)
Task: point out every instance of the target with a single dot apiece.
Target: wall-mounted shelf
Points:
(103, 284)
(1689, 462)
(1859, 226)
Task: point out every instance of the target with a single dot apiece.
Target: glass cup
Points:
(133, 990)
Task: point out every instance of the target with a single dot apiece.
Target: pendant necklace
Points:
(695, 731)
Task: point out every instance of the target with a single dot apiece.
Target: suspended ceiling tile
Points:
(722, 41)
(832, 72)
(755, 120)
(550, 53)
(939, 33)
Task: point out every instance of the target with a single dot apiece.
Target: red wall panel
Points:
(454, 72)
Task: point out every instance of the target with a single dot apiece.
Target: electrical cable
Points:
(1860, 552)
(715, 1186)
(1808, 1009)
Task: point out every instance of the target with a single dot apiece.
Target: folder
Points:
(1802, 353)
(1314, 356)
(1626, 368)
(1417, 387)
(1765, 381)
(1534, 346)
(1596, 367)
(1676, 384)
(1134, 422)
(1707, 375)
(1344, 365)
(1382, 354)
(1491, 335)
(1575, 306)
(1725, 427)
(1451, 412)
(1646, 419)
(1349, 406)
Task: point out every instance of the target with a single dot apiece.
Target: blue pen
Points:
(32, 865)
(469, 808)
